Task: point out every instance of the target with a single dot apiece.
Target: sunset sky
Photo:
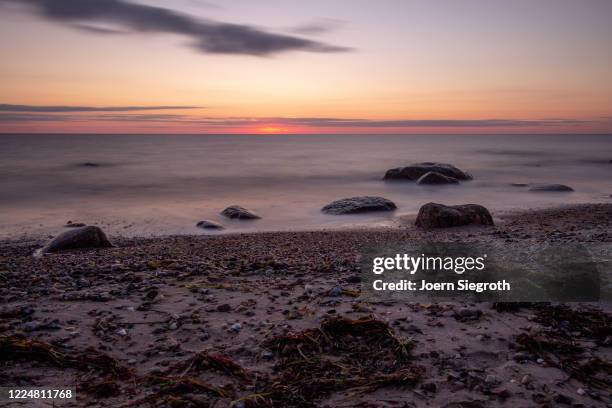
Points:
(278, 66)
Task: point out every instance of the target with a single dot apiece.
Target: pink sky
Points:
(450, 66)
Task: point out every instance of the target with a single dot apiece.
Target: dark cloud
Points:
(61, 109)
(208, 36)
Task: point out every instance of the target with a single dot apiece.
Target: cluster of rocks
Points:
(431, 215)
(428, 173)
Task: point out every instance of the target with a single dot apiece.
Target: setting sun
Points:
(272, 129)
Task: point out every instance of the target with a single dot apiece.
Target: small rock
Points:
(224, 308)
(152, 294)
(580, 391)
(354, 279)
(491, 379)
(84, 237)
(526, 379)
(355, 205)
(552, 188)
(71, 224)
(207, 224)
(468, 314)
(241, 213)
(433, 215)
(415, 171)
(236, 327)
(122, 332)
(336, 291)
(521, 356)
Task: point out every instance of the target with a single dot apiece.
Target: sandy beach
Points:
(249, 320)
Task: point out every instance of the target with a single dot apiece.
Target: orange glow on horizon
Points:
(272, 129)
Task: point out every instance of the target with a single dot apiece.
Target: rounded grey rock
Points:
(355, 205)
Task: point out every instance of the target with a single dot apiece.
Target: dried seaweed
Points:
(20, 348)
(207, 361)
(342, 354)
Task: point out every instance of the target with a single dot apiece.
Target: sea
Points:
(158, 185)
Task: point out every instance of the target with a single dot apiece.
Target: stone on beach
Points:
(356, 205)
(241, 213)
(71, 224)
(551, 187)
(433, 177)
(433, 215)
(207, 224)
(77, 238)
(415, 171)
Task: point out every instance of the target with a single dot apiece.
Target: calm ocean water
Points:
(157, 185)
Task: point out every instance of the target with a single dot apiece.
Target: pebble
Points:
(224, 308)
(336, 291)
(236, 327)
(491, 379)
(122, 332)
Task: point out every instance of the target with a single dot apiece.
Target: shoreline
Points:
(230, 320)
(401, 222)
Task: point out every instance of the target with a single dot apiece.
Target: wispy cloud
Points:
(208, 36)
(320, 26)
(64, 109)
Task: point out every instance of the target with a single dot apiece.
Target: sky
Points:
(279, 66)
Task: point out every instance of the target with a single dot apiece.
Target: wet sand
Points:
(248, 320)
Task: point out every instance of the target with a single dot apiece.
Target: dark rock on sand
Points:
(71, 224)
(237, 212)
(207, 224)
(433, 177)
(84, 237)
(433, 215)
(89, 164)
(356, 205)
(552, 187)
(415, 171)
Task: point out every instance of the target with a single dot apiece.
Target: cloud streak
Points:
(306, 122)
(208, 36)
(65, 109)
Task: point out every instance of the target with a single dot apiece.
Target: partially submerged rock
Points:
(415, 171)
(207, 224)
(433, 177)
(552, 187)
(433, 215)
(241, 213)
(77, 238)
(355, 205)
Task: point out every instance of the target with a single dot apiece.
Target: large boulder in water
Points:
(433, 215)
(415, 171)
(436, 178)
(241, 213)
(77, 238)
(355, 205)
(551, 187)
